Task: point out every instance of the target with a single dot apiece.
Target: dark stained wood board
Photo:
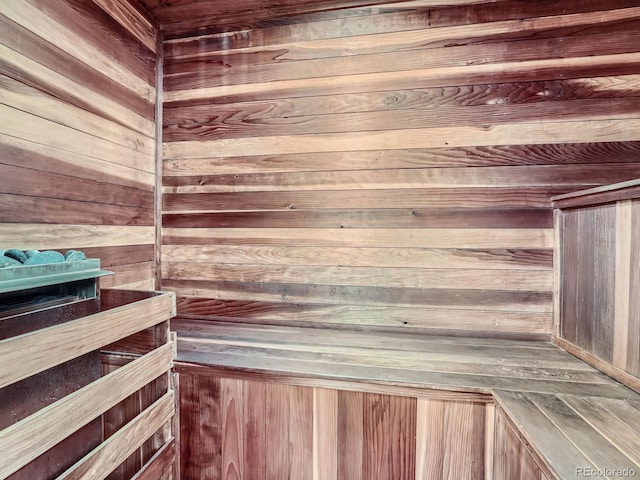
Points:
(560, 99)
(182, 19)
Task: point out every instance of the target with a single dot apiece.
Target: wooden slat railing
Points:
(29, 354)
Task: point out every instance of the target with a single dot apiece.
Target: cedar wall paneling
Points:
(599, 305)
(392, 166)
(77, 139)
(256, 430)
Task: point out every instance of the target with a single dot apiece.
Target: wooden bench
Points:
(577, 436)
(568, 419)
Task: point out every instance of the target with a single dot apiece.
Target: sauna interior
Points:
(337, 239)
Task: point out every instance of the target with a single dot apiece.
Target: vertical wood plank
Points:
(255, 434)
(528, 466)
(277, 428)
(621, 319)
(489, 440)
(325, 434)
(200, 427)
(377, 437)
(232, 428)
(402, 427)
(157, 201)
(464, 443)
(300, 432)
(587, 234)
(430, 434)
(603, 281)
(569, 269)
(633, 346)
(350, 435)
(512, 461)
(175, 427)
(506, 459)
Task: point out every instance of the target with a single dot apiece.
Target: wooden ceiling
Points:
(181, 18)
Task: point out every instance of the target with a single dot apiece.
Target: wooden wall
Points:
(392, 166)
(599, 306)
(77, 136)
(251, 429)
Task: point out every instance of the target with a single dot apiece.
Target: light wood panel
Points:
(77, 147)
(345, 162)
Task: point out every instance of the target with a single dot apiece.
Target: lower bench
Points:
(260, 402)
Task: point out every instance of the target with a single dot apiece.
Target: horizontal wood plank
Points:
(499, 155)
(396, 17)
(33, 128)
(46, 349)
(429, 178)
(524, 70)
(60, 236)
(97, 27)
(133, 20)
(537, 197)
(63, 186)
(464, 299)
(44, 158)
(39, 23)
(512, 259)
(369, 218)
(323, 160)
(362, 316)
(127, 274)
(18, 95)
(370, 237)
(413, 39)
(513, 280)
(17, 65)
(101, 462)
(516, 133)
(597, 195)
